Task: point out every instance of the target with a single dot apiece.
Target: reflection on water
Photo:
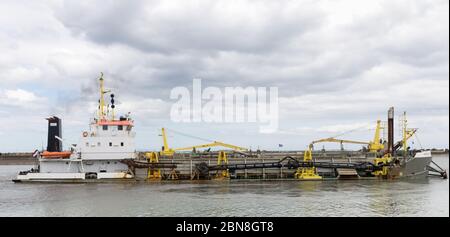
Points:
(424, 197)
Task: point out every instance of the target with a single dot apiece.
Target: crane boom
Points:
(170, 151)
(373, 146)
(331, 139)
(215, 143)
(402, 142)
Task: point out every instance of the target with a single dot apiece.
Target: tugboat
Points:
(98, 155)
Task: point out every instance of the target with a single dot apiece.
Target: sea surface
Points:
(424, 197)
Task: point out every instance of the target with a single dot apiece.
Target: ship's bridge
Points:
(105, 127)
(108, 138)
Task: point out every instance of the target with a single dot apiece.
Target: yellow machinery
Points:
(169, 151)
(375, 145)
(152, 173)
(165, 149)
(386, 159)
(222, 160)
(407, 133)
(311, 172)
(307, 173)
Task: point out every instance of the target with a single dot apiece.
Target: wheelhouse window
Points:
(105, 127)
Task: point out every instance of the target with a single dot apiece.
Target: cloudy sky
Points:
(338, 65)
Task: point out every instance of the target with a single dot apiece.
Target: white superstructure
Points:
(98, 155)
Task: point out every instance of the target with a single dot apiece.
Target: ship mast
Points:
(404, 133)
(101, 108)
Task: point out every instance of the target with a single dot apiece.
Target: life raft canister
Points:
(56, 154)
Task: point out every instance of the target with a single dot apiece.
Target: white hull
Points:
(47, 177)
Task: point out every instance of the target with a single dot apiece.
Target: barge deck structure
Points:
(282, 166)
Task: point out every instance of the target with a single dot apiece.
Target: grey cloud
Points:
(177, 42)
(164, 27)
(334, 62)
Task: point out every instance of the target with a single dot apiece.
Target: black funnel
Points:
(54, 129)
(391, 131)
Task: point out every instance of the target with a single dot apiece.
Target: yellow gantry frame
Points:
(152, 173)
(222, 160)
(307, 173)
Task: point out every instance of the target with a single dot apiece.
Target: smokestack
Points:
(391, 131)
(54, 129)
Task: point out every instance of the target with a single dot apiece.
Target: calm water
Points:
(427, 197)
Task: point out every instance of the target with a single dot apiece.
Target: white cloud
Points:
(342, 128)
(20, 97)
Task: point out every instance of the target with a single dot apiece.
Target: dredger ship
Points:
(106, 152)
(97, 156)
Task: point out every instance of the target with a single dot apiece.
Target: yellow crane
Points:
(407, 133)
(170, 151)
(376, 145)
(310, 173)
(165, 149)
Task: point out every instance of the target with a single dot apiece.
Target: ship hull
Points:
(114, 170)
(417, 166)
(72, 177)
(81, 166)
